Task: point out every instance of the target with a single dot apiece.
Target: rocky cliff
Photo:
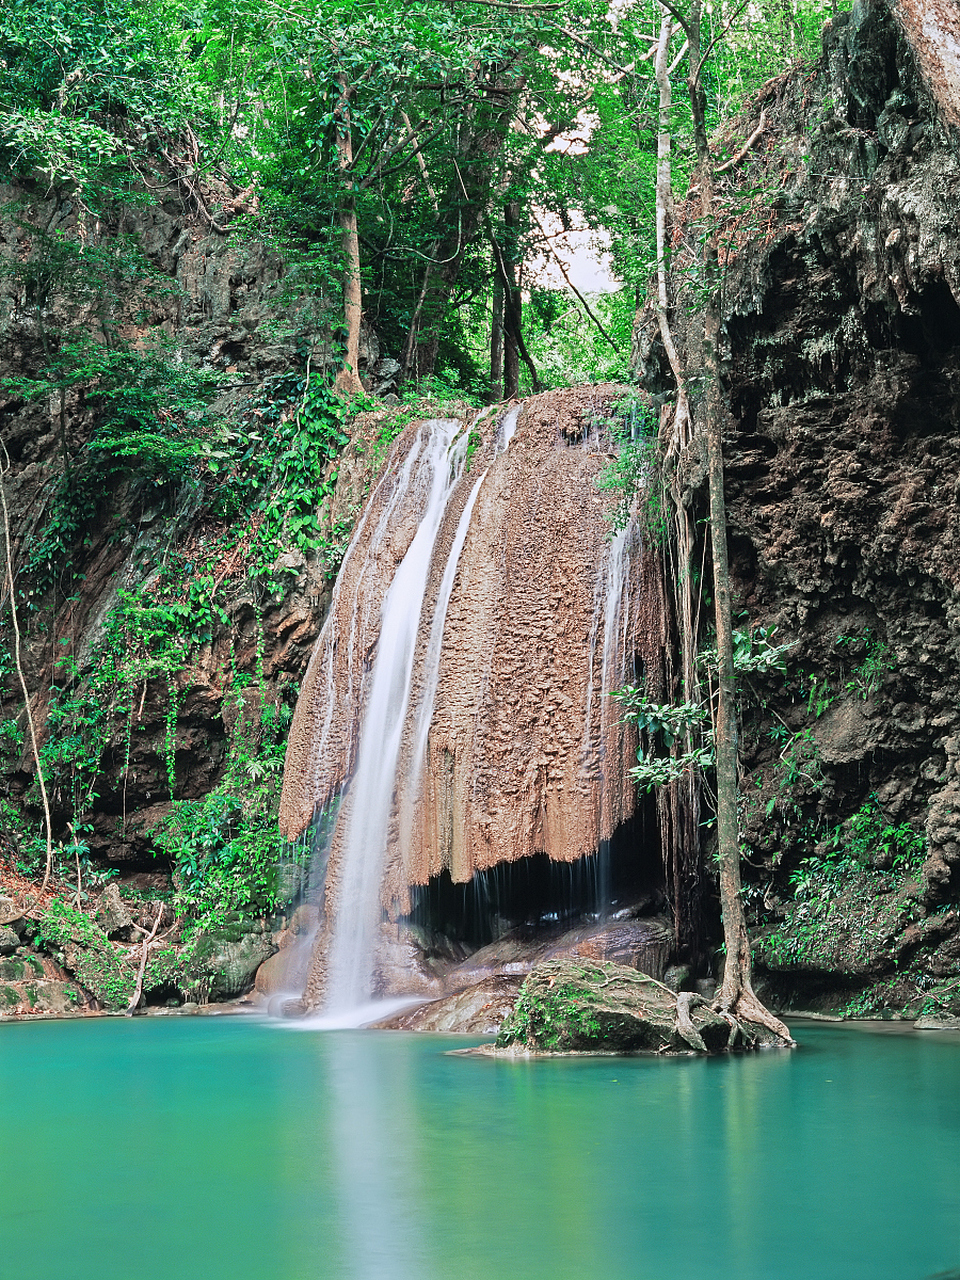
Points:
(842, 373)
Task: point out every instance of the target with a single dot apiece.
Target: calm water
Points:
(201, 1149)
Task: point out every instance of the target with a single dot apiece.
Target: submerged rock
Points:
(581, 1006)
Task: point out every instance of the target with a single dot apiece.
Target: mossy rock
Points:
(89, 955)
(220, 969)
(576, 1006)
(20, 968)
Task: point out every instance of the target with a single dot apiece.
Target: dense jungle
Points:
(246, 250)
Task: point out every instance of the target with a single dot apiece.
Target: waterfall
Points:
(369, 800)
(456, 704)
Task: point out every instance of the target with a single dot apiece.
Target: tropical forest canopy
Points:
(410, 161)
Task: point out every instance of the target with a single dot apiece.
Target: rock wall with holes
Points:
(842, 378)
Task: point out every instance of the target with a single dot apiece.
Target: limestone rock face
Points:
(524, 753)
(569, 1006)
(225, 967)
(842, 447)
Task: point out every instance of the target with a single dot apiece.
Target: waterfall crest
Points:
(456, 699)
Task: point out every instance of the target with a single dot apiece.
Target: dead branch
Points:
(735, 160)
(574, 289)
(138, 989)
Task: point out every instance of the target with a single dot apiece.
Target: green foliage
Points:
(26, 842)
(474, 441)
(87, 951)
(798, 769)
(565, 343)
(153, 421)
(443, 388)
(877, 659)
(276, 468)
(843, 899)
(668, 721)
(632, 474)
(688, 723)
(873, 840)
(229, 859)
(670, 724)
(87, 83)
(752, 651)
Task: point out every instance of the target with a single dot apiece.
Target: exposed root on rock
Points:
(687, 1000)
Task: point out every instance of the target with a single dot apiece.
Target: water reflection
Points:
(224, 1150)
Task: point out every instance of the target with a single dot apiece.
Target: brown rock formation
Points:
(524, 752)
(933, 29)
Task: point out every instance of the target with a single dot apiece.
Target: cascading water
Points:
(457, 701)
(368, 804)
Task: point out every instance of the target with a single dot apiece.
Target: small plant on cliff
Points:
(873, 840)
(678, 729)
(632, 473)
(844, 906)
(877, 659)
(684, 730)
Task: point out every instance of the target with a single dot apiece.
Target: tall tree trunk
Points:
(514, 347)
(496, 335)
(736, 996)
(348, 379)
(513, 306)
(679, 809)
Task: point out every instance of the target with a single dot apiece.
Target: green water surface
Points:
(229, 1149)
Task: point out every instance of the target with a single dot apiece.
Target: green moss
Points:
(474, 441)
(555, 1017)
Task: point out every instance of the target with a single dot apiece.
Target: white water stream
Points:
(436, 465)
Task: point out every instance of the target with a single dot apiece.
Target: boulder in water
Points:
(583, 1006)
